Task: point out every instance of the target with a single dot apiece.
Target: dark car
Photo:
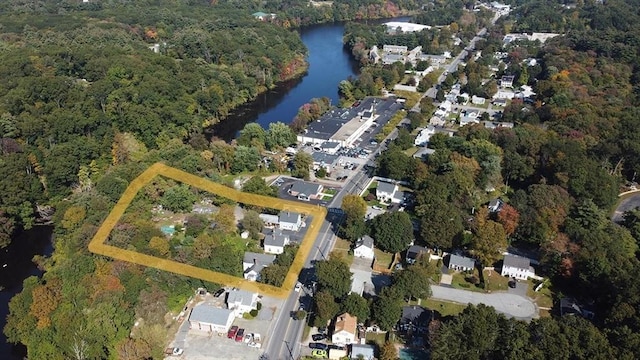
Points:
(336, 347)
(219, 292)
(320, 346)
(322, 330)
(318, 337)
(512, 284)
(240, 335)
(232, 332)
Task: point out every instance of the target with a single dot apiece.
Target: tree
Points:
(159, 246)
(252, 135)
(245, 159)
(178, 198)
(326, 308)
(334, 276)
(508, 216)
(279, 135)
(252, 223)
(301, 164)
(388, 351)
(226, 218)
(257, 185)
(413, 282)
(354, 207)
(387, 308)
(7, 225)
(357, 306)
(489, 239)
(392, 231)
(274, 274)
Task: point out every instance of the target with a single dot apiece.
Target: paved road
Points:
(511, 305)
(627, 204)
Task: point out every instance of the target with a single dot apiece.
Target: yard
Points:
(378, 338)
(341, 248)
(445, 308)
(495, 282)
(543, 298)
(383, 260)
(462, 280)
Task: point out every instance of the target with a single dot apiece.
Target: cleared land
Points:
(98, 246)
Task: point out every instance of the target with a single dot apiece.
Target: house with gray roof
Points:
(414, 252)
(290, 220)
(517, 267)
(385, 191)
(364, 248)
(461, 263)
(253, 263)
(330, 147)
(304, 190)
(205, 317)
(241, 301)
(324, 160)
(275, 242)
(414, 316)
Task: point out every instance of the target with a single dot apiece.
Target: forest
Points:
(86, 106)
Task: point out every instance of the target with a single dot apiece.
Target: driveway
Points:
(511, 305)
(361, 280)
(627, 204)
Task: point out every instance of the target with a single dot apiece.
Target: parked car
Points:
(175, 351)
(247, 338)
(315, 345)
(322, 330)
(318, 337)
(219, 292)
(240, 335)
(319, 354)
(298, 287)
(232, 332)
(254, 344)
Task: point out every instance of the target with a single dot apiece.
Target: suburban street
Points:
(284, 337)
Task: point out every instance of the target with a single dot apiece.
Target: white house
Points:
(241, 301)
(461, 263)
(477, 100)
(269, 220)
(345, 330)
(385, 191)
(517, 267)
(424, 135)
(253, 263)
(364, 248)
(507, 81)
(305, 190)
(275, 242)
(469, 118)
(506, 94)
(290, 220)
(211, 319)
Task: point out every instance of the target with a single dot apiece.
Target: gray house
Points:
(253, 263)
(461, 263)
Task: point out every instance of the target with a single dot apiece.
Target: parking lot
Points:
(206, 346)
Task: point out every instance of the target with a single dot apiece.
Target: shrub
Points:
(247, 316)
(253, 313)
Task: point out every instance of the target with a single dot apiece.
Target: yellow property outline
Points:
(98, 246)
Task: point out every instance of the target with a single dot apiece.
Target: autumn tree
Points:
(508, 216)
(159, 246)
(355, 209)
(489, 239)
(389, 351)
(226, 218)
(301, 165)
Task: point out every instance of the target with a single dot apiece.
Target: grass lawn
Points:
(445, 308)
(330, 191)
(379, 339)
(327, 197)
(495, 282)
(542, 298)
(383, 258)
(459, 282)
(341, 248)
(410, 151)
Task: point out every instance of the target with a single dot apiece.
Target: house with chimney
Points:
(345, 329)
(289, 220)
(253, 263)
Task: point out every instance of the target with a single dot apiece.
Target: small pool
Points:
(413, 354)
(168, 229)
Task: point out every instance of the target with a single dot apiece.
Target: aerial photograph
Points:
(302, 179)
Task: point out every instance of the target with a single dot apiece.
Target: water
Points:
(15, 266)
(329, 63)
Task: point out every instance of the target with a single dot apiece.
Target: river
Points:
(329, 63)
(15, 266)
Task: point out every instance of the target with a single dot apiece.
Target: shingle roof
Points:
(517, 262)
(243, 297)
(416, 315)
(288, 216)
(210, 315)
(346, 322)
(264, 259)
(415, 250)
(275, 240)
(366, 241)
(321, 157)
(303, 187)
(461, 261)
(386, 187)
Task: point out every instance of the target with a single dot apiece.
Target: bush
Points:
(247, 316)
(253, 313)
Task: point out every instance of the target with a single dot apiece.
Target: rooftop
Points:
(517, 262)
(303, 187)
(461, 261)
(366, 241)
(416, 315)
(346, 322)
(243, 297)
(275, 239)
(289, 216)
(386, 187)
(324, 158)
(209, 314)
(415, 250)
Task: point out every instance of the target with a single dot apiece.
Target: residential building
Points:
(364, 248)
(495, 205)
(337, 354)
(506, 94)
(517, 267)
(477, 100)
(414, 252)
(385, 191)
(324, 160)
(500, 102)
(569, 306)
(330, 147)
(394, 49)
(290, 220)
(414, 317)
(361, 351)
(253, 263)
(275, 242)
(305, 190)
(263, 16)
(495, 124)
(269, 220)
(241, 301)
(461, 263)
(470, 117)
(507, 81)
(345, 329)
(205, 317)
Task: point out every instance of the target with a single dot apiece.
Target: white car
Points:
(248, 338)
(298, 287)
(177, 351)
(255, 345)
(376, 207)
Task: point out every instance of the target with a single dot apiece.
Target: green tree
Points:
(326, 308)
(489, 239)
(334, 276)
(252, 135)
(245, 159)
(413, 282)
(178, 198)
(301, 164)
(257, 185)
(252, 223)
(357, 306)
(274, 274)
(279, 135)
(392, 231)
(388, 351)
(387, 308)
(355, 209)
